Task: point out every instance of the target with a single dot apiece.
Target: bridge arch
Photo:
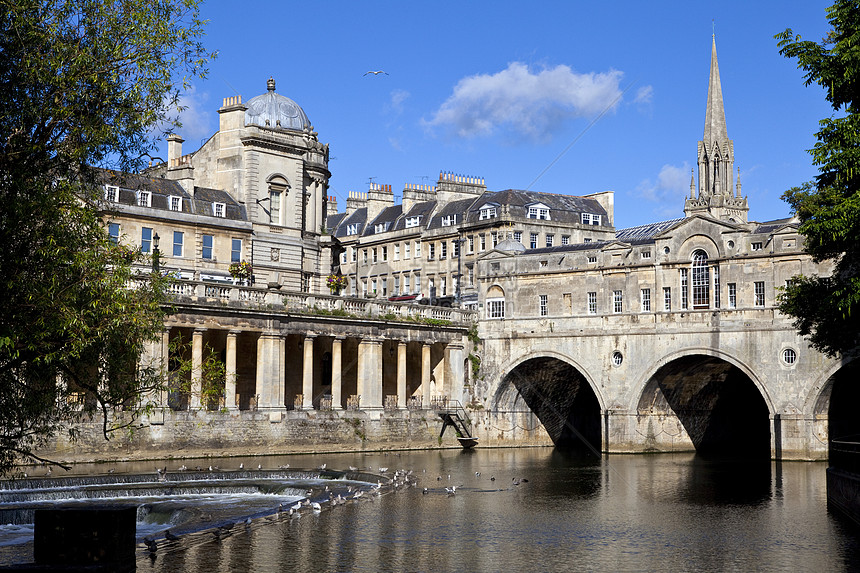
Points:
(720, 404)
(559, 392)
(834, 397)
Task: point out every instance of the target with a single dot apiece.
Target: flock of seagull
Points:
(401, 479)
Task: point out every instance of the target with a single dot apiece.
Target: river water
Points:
(535, 509)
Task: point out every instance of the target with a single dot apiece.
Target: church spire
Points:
(715, 115)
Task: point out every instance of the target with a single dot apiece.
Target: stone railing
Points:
(307, 303)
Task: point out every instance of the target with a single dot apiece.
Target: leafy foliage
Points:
(826, 308)
(84, 83)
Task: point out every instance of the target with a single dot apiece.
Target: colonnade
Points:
(277, 370)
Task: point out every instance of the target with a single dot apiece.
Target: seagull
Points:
(316, 506)
(241, 466)
(151, 544)
(297, 507)
(353, 469)
(477, 474)
(426, 491)
(375, 73)
(383, 470)
(451, 490)
(322, 467)
(515, 481)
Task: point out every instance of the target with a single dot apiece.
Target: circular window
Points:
(617, 358)
(731, 244)
(789, 356)
(665, 250)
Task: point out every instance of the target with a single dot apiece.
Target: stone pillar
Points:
(401, 375)
(308, 373)
(196, 367)
(439, 375)
(165, 366)
(425, 374)
(230, 397)
(370, 373)
(454, 373)
(270, 371)
(336, 365)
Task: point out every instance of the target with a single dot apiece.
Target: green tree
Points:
(84, 84)
(826, 308)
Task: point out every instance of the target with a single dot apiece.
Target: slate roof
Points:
(459, 208)
(387, 217)
(771, 226)
(563, 208)
(423, 210)
(647, 231)
(359, 217)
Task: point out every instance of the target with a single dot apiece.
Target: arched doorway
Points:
(717, 404)
(561, 398)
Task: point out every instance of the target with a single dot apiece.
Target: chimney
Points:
(355, 201)
(174, 148)
(331, 209)
(379, 197)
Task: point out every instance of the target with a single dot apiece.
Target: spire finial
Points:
(270, 85)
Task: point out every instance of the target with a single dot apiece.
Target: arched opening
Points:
(561, 398)
(843, 424)
(718, 406)
(701, 280)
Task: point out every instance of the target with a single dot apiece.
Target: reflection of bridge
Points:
(709, 380)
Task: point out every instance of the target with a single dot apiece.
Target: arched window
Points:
(701, 280)
(495, 302)
(278, 189)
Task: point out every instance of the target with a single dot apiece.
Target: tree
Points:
(827, 309)
(84, 84)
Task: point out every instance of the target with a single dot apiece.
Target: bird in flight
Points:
(376, 73)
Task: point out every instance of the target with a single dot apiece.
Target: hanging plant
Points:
(241, 270)
(336, 282)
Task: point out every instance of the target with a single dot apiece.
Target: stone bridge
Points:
(717, 381)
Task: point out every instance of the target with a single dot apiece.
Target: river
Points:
(534, 509)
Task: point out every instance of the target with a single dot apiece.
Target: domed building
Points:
(268, 158)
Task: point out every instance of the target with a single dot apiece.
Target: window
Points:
(496, 308)
(646, 254)
(701, 280)
(364, 256)
(533, 240)
(443, 280)
(645, 299)
(406, 249)
(208, 241)
(483, 242)
(449, 220)
(617, 301)
(759, 293)
(417, 249)
(789, 356)
(306, 282)
(667, 298)
(397, 252)
(543, 305)
(384, 286)
(178, 239)
(684, 293)
(175, 203)
(343, 258)
(617, 358)
(443, 250)
(353, 254)
(586, 240)
(733, 295)
(494, 237)
(716, 286)
(380, 227)
(396, 285)
(471, 272)
(518, 236)
(384, 254)
(565, 239)
(590, 219)
(406, 279)
(756, 246)
(592, 258)
(549, 239)
(235, 250)
(352, 229)
(431, 251)
(413, 221)
(487, 212)
(219, 209)
(471, 243)
(144, 198)
(592, 303)
(275, 207)
(417, 283)
(145, 239)
(374, 255)
(111, 193)
(455, 248)
(113, 232)
(373, 285)
(431, 286)
(364, 287)
(538, 212)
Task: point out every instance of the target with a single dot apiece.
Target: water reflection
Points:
(674, 512)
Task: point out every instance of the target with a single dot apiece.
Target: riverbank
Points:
(201, 434)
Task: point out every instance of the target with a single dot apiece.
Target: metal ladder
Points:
(453, 414)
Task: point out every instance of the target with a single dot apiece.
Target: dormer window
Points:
(449, 220)
(219, 209)
(487, 212)
(352, 229)
(538, 211)
(111, 193)
(413, 221)
(144, 198)
(380, 227)
(590, 219)
(175, 203)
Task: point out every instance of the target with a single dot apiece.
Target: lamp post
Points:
(460, 240)
(156, 264)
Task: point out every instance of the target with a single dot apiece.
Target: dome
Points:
(511, 245)
(275, 111)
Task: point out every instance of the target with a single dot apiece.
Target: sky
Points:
(561, 97)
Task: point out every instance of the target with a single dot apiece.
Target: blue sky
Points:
(561, 97)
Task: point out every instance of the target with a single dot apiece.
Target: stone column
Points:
(454, 371)
(425, 374)
(439, 375)
(308, 373)
(336, 382)
(196, 367)
(270, 371)
(370, 373)
(401, 375)
(165, 366)
(230, 396)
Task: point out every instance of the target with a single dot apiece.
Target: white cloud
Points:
(397, 99)
(196, 118)
(644, 95)
(533, 103)
(669, 189)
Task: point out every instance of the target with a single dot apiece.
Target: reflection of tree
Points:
(212, 378)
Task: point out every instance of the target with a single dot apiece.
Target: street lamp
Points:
(460, 240)
(155, 254)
